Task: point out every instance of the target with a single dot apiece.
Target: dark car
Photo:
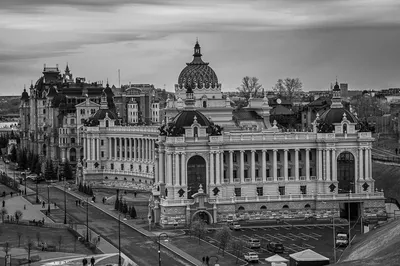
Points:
(275, 247)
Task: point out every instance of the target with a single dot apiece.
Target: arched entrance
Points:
(345, 172)
(203, 216)
(196, 175)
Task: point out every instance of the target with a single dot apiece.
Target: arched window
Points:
(106, 177)
(285, 207)
(195, 132)
(124, 178)
(116, 178)
(344, 128)
(263, 207)
(204, 104)
(307, 206)
(107, 123)
(241, 208)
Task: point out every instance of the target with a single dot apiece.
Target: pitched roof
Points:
(276, 258)
(308, 255)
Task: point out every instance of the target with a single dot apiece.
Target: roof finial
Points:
(197, 39)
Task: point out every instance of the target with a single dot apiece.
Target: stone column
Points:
(307, 164)
(177, 181)
(115, 149)
(126, 148)
(98, 148)
(296, 164)
(264, 166)
(217, 169)
(162, 167)
(169, 169)
(370, 164)
(275, 163)
(366, 165)
(222, 167)
(135, 149)
(334, 165)
(285, 164)
(130, 149)
(183, 169)
(109, 152)
(93, 148)
(231, 166)
(320, 173)
(156, 170)
(253, 166)
(242, 166)
(328, 165)
(120, 149)
(212, 169)
(85, 145)
(361, 165)
(324, 164)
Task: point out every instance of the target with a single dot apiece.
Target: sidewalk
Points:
(110, 211)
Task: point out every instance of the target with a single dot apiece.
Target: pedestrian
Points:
(98, 239)
(84, 262)
(204, 259)
(208, 261)
(11, 193)
(4, 203)
(396, 151)
(24, 206)
(42, 246)
(43, 220)
(92, 261)
(55, 205)
(46, 213)
(134, 193)
(43, 204)
(76, 202)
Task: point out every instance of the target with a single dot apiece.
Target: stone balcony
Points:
(279, 198)
(118, 172)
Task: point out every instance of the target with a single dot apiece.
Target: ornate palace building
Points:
(212, 162)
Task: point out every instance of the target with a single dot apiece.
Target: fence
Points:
(386, 159)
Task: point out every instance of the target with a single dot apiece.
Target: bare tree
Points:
(18, 215)
(198, 229)
(289, 87)
(75, 240)
(237, 247)
(19, 235)
(6, 248)
(59, 241)
(3, 214)
(223, 236)
(249, 87)
(29, 247)
(38, 237)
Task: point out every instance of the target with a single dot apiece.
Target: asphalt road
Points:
(141, 249)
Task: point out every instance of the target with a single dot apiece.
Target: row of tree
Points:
(85, 189)
(288, 87)
(123, 207)
(224, 237)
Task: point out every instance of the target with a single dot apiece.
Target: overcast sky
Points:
(151, 40)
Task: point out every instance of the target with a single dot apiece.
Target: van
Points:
(253, 243)
(229, 219)
(234, 225)
(275, 247)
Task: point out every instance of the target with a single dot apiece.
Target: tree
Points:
(198, 229)
(133, 212)
(249, 87)
(68, 171)
(125, 209)
(223, 236)
(13, 154)
(29, 247)
(6, 248)
(116, 205)
(3, 213)
(19, 235)
(237, 246)
(49, 172)
(288, 88)
(59, 240)
(18, 215)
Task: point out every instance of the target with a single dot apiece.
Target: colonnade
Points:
(119, 148)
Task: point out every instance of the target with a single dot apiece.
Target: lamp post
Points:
(48, 198)
(119, 240)
(87, 219)
(334, 235)
(159, 247)
(25, 179)
(65, 203)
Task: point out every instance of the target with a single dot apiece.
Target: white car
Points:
(32, 176)
(251, 256)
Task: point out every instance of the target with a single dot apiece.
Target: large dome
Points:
(186, 119)
(197, 72)
(335, 115)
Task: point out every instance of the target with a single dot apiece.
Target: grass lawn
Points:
(6, 189)
(52, 236)
(192, 247)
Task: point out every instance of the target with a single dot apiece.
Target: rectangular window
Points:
(238, 191)
(246, 173)
(300, 171)
(256, 157)
(72, 121)
(122, 167)
(102, 154)
(256, 172)
(289, 172)
(299, 155)
(44, 111)
(310, 155)
(260, 191)
(289, 156)
(72, 140)
(278, 172)
(112, 166)
(234, 158)
(102, 142)
(245, 157)
(268, 173)
(234, 174)
(311, 172)
(281, 191)
(303, 190)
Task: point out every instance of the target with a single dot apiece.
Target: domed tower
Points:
(24, 117)
(199, 77)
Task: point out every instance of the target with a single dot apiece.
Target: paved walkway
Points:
(131, 223)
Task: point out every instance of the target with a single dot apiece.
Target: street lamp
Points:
(159, 247)
(119, 240)
(334, 235)
(87, 219)
(25, 179)
(48, 198)
(65, 203)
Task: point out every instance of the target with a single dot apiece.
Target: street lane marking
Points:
(315, 234)
(313, 237)
(274, 237)
(297, 236)
(286, 237)
(307, 227)
(309, 246)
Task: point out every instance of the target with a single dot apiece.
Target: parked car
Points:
(342, 239)
(229, 219)
(275, 247)
(251, 256)
(234, 225)
(32, 177)
(253, 243)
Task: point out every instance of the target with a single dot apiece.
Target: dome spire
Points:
(197, 49)
(336, 97)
